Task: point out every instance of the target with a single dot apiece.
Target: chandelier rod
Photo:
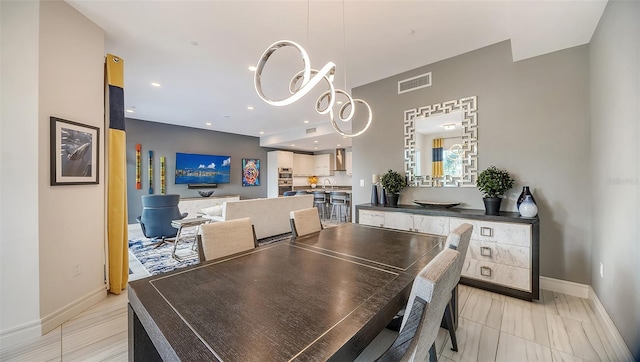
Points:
(344, 47)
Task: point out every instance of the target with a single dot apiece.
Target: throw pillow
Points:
(215, 210)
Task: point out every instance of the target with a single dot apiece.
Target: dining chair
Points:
(305, 221)
(429, 297)
(220, 239)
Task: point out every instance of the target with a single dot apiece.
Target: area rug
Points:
(158, 260)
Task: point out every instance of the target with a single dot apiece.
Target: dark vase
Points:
(374, 194)
(492, 205)
(383, 197)
(525, 192)
(393, 199)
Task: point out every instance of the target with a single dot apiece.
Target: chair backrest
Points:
(433, 285)
(289, 193)
(458, 240)
(305, 221)
(338, 197)
(224, 238)
(157, 213)
(319, 196)
(301, 192)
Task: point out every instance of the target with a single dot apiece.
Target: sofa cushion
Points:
(215, 210)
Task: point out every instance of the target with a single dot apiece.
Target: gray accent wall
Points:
(165, 140)
(615, 163)
(533, 118)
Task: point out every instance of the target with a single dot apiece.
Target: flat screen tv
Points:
(202, 169)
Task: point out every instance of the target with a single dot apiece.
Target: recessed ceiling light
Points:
(129, 110)
(306, 121)
(261, 132)
(449, 127)
(252, 68)
(208, 123)
(316, 141)
(227, 116)
(250, 108)
(292, 145)
(155, 84)
(344, 136)
(315, 148)
(339, 102)
(338, 145)
(194, 43)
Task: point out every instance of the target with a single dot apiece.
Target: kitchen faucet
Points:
(324, 183)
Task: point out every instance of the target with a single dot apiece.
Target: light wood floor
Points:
(492, 328)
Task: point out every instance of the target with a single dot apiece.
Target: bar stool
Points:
(320, 201)
(338, 199)
(348, 214)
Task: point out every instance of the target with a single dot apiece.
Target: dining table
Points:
(322, 296)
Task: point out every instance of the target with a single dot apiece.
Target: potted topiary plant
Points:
(493, 183)
(393, 183)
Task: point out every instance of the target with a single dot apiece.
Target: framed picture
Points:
(74, 152)
(250, 172)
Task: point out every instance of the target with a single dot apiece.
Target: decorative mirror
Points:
(441, 144)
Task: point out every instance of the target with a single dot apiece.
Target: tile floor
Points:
(492, 327)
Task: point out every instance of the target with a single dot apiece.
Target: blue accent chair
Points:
(157, 213)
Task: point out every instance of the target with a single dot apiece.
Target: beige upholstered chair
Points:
(430, 295)
(224, 238)
(458, 240)
(305, 221)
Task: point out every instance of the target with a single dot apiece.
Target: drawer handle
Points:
(486, 231)
(485, 271)
(485, 251)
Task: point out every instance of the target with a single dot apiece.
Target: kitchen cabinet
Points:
(303, 165)
(322, 165)
(503, 254)
(275, 161)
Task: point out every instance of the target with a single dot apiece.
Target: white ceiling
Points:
(210, 81)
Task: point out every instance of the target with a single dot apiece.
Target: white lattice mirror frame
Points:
(469, 107)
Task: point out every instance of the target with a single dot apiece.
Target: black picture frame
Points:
(75, 151)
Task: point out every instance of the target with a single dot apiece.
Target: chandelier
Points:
(305, 80)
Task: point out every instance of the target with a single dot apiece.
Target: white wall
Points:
(19, 172)
(72, 219)
(52, 65)
(614, 55)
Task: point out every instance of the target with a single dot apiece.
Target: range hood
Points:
(340, 160)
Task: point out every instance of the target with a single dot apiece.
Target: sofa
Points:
(269, 216)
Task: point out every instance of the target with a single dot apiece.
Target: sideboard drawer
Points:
(513, 255)
(504, 233)
(509, 276)
(371, 218)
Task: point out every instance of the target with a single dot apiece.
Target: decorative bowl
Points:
(436, 204)
(206, 193)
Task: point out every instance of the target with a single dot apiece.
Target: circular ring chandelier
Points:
(305, 80)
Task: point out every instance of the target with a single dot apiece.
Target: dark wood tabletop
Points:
(324, 296)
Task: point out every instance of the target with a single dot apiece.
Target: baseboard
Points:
(565, 287)
(615, 339)
(53, 320)
(19, 334)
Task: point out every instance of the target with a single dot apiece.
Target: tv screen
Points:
(202, 169)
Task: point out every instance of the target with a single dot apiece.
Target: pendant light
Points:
(308, 78)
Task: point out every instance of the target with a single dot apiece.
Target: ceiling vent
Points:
(311, 130)
(411, 84)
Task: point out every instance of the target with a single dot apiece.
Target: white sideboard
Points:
(193, 205)
(503, 254)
